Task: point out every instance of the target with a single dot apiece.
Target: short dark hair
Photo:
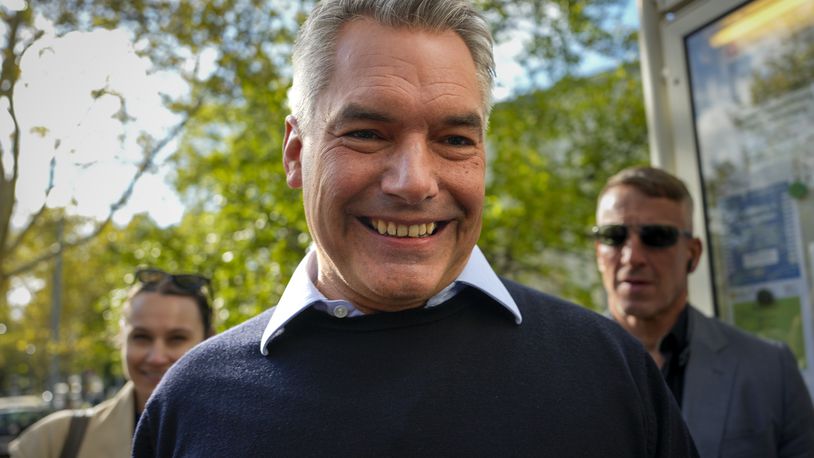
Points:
(168, 287)
(652, 182)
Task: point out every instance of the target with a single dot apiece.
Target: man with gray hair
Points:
(394, 336)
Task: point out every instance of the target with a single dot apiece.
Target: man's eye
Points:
(363, 135)
(457, 140)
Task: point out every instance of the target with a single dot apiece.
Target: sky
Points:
(96, 155)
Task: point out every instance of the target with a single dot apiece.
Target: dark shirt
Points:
(675, 348)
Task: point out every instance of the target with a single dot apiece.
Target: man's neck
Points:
(650, 331)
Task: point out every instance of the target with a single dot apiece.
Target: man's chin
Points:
(642, 310)
(401, 295)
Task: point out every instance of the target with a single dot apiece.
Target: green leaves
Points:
(559, 33)
(550, 152)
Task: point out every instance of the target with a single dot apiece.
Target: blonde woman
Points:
(165, 315)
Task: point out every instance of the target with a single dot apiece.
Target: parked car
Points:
(16, 414)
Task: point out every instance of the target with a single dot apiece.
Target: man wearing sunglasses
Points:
(740, 395)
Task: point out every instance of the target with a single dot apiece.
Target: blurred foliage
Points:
(557, 34)
(549, 149)
(788, 71)
(85, 340)
(550, 153)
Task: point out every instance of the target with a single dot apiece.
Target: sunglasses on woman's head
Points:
(193, 283)
(652, 235)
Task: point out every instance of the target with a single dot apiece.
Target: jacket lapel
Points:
(707, 383)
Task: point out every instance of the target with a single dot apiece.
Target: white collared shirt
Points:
(301, 293)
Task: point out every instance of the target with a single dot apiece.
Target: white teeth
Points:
(403, 230)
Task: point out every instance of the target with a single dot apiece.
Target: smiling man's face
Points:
(393, 169)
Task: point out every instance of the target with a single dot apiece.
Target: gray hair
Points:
(315, 48)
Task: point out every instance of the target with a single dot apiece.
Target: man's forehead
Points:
(371, 48)
(627, 202)
(384, 74)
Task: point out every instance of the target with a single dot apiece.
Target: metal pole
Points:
(56, 309)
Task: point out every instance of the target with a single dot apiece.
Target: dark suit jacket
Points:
(744, 396)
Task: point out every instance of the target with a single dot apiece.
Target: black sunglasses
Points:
(652, 235)
(192, 283)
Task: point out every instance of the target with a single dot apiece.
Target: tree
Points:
(86, 328)
(22, 33)
(550, 152)
(246, 38)
(558, 34)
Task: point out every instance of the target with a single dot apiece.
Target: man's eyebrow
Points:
(356, 112)
(469, 120)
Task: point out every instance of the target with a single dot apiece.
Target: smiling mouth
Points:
(391, 229)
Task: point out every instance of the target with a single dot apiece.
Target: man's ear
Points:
(696, 248)
(292, 153)
(599, 265)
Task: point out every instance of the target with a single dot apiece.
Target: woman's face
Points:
(158, 329)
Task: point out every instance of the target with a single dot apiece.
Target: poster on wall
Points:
(752, 87)
(762, 259)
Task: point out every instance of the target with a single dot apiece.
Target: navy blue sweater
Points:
(459, 379)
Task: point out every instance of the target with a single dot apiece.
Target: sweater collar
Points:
(301, 293)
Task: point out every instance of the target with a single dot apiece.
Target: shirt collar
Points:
(676, 340)
(301, 293)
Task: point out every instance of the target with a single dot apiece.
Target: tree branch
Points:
(121, 115)
(9, 75)
(145, 164)
(34, 218)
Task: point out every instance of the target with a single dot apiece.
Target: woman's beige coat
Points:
(109, 432)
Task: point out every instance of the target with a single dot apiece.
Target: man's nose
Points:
(633, 251)
(411, 173)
